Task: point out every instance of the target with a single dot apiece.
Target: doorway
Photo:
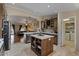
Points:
(69, 33)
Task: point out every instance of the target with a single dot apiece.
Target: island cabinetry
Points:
(42, 47)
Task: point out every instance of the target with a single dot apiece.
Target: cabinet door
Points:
(52, 41)
(47, 47)
(44, 44)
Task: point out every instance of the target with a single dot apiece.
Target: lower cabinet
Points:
(42, 47)
(17, 38)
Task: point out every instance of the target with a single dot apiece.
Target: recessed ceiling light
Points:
(48, 6)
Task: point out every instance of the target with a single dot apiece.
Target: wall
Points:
(48, 16)
(64, 15)
(77, 30)
(1, 14)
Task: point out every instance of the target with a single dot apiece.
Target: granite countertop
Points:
(49, 33)
(42, 37)
(41, 32)
(31, 32)
(1, 42)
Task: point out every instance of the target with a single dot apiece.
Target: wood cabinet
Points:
(55, 39)
(42, 47)
(17, 38)
(50, 24)
(53, 24)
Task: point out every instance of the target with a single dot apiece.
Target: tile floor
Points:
(22, 49)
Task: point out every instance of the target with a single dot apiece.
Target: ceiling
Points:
(42, 9)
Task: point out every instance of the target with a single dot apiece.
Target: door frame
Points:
(63, 30)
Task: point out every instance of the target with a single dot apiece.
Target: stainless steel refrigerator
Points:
(6, 34)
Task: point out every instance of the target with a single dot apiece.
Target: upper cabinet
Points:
(50, 24)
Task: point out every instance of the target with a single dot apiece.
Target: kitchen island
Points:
(27, 36)
(42, 45)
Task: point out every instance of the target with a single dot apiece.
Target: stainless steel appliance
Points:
(6, 34)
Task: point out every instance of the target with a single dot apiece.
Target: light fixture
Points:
(48, 6)
(66, 19)
(26, 24)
